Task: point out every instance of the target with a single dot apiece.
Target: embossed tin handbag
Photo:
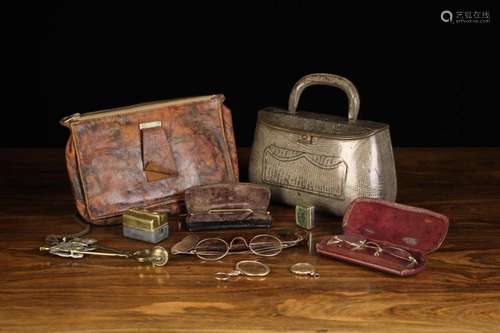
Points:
(147, 155)
(322, 160)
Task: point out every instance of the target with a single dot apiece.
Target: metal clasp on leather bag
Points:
(151, 124)
(69, 119)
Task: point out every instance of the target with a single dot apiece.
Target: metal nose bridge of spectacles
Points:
(234, 242)
(239, 245)
(371, 245)
(356, 245)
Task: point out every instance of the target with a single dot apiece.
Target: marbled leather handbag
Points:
(147, 155)
(322, 160)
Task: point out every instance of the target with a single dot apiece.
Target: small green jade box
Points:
(304, 216)
(145, 225)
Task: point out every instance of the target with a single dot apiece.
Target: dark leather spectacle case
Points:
(227, 206)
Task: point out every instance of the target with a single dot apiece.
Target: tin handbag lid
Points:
(322, 124)
(403, 225)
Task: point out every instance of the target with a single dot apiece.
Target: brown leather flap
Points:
(142, 155)
(157, 158)
(236, 199)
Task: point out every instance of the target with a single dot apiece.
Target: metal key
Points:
(77, 248)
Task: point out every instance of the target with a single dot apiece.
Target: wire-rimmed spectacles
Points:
(216, 248)
(356, 243)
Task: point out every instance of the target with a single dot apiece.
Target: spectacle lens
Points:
(252, 268)
(211, 249)
(399, 253)
(265, 245)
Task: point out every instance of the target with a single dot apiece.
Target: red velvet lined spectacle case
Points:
(386, 236)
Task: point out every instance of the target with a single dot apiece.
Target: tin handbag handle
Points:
(326, 80)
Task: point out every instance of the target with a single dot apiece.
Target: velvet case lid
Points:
(407, 226)
(416, 230)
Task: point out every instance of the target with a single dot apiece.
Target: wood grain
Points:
(459, 292)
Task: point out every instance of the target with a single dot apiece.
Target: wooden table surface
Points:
(459, 292)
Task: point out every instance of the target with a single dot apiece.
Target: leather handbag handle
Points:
(327, 80)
